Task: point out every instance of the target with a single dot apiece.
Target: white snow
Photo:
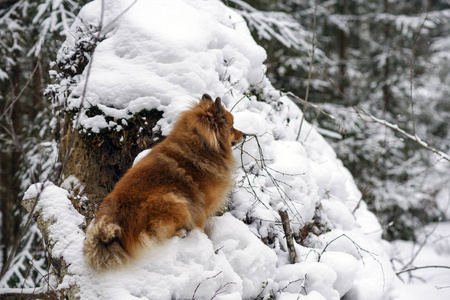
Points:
(172, 52)
(432, 251)
(164, 55)
(65, 232)
(141, 156)
(254, 263)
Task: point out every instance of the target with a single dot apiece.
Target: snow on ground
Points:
(164, 55)
(432, 282)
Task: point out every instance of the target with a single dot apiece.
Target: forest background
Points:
(372, 76)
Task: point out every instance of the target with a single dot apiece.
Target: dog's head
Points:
(214, 124)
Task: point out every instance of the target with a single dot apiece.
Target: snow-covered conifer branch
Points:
(276, 25)
(366, 117)
(52, 17)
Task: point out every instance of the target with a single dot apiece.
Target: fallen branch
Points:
(29, 293)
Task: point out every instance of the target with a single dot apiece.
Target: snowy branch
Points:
(366, 117)
(411, 137)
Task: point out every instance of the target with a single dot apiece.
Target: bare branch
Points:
(411, 72)
(198, 285)
(366, 117)
(13, 102)
(83, 95)
(28, 293)
(420, 268)
(299, 100)
(359, 249)
(261, 163)
(218, 291)
(422, 245)
(288, 235)
(313, 46)
(411, 137)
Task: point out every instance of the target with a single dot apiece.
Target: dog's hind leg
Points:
(168, 215)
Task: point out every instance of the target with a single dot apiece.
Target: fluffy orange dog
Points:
(175, 188)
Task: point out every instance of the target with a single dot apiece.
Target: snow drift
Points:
(165, 54)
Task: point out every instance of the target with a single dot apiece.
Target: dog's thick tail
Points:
(102, 247)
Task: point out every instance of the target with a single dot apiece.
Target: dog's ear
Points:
(218, 111)
(206, 98)
(212, 119)
(218, 105)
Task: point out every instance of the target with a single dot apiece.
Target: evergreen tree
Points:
(30, 31)
(371, 59)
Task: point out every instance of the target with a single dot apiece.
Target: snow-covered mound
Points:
(160, 54)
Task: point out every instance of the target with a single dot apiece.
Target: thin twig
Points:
(298, 99)
(311, 61)
(276, 183)
(106, 28)
(218, 291)
(31, 265)
(83, 95)
(13, 102)
(422, 245)
(411, 71)
(358, 248)
(420, 268)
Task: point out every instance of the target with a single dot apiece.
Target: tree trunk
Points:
(386, 86)
(343, 55)
(98, 161)
(10, 163)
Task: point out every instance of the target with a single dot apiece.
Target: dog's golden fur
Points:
(174, 189)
